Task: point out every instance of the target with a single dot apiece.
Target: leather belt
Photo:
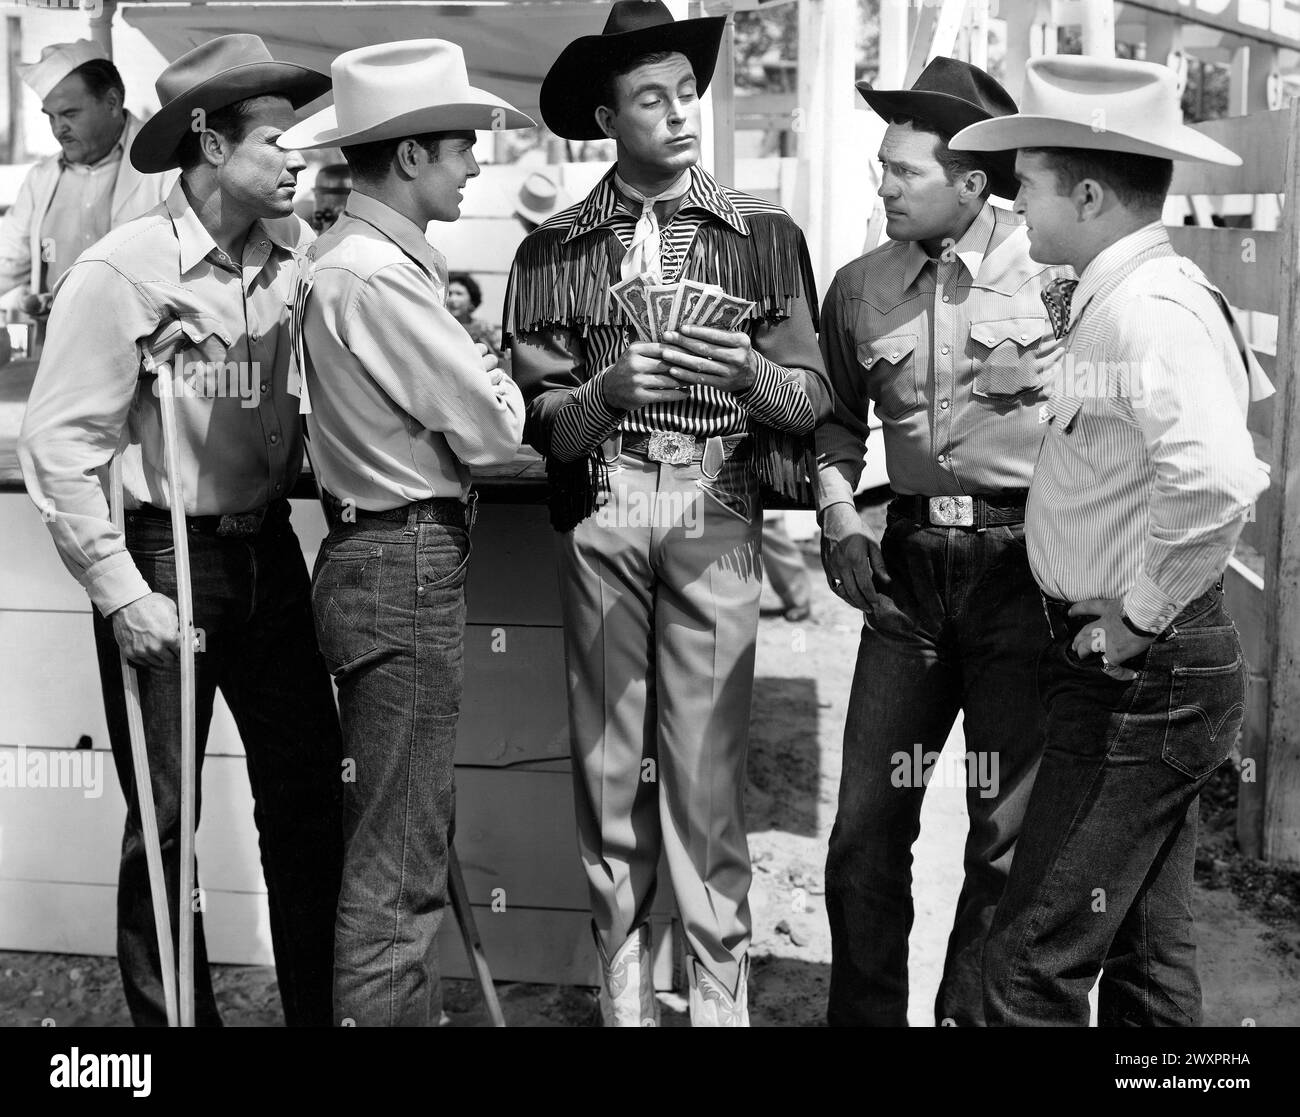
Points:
(978, 512)
(446, 510)
(230, 525)
(675, 448)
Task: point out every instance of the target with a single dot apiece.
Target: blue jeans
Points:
(389, 600)
(1103, 879)
(251, 601)
(976, 627)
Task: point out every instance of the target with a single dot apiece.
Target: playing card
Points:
(663, 304)
(633, 298)
(692, 300)
(727, 313)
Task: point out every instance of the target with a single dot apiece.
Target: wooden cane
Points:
(144, 788)
(185, 612)
(460, 905)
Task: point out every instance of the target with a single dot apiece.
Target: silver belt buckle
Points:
(241, 523)
(671, 448)
(952, 511)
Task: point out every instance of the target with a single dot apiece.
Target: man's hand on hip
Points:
(148, 631)
(855, 568)
(638, 377)
(720, 359)
(1108, 636)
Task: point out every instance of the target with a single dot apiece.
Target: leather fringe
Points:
(787, 464)
(567, 284)
(576, 489)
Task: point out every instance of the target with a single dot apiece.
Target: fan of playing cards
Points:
(658, 308)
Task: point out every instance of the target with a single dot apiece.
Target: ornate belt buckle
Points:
(671, 448)
(241, 523)
(952, 511)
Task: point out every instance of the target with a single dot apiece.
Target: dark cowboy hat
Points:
(575, 84)
(212, 76)
(950, 95)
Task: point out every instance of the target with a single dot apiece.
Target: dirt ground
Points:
(1248, 926)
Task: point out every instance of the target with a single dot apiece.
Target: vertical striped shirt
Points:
(945, 349)
(780, 396)
(1147, 469)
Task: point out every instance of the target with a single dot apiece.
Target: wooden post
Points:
(101, 25)
(1282, 562)
(16, 140)
(829, 202)
(1098, 26)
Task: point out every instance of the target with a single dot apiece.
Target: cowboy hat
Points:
(951, 95)
(57, 62)
(575, 85)
(391, 90)
(1105, 104)
(540, 198)
(213, 76)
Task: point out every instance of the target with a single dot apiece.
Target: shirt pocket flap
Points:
(197, 332)
(1024, 333)
(1003, 352)
(895, 348)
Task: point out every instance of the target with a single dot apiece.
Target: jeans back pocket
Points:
(1206, 710)
(345, 602)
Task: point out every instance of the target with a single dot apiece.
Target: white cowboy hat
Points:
(540, 198)
(1106, 104)
(57, 62)
(391, 90)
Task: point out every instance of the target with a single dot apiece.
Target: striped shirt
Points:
(944, 349)
(784, 398)
(1147, 470)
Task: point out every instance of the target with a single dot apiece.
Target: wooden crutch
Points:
(166, 345)
(144, 787)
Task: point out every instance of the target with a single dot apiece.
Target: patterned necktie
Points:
(643, 257)
(1056, 297)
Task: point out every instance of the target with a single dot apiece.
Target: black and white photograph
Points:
(652, 513)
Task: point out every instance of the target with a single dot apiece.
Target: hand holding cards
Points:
(656, 309)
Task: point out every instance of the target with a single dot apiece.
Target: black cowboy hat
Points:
(213, 75)
(951, 95)
(574, 86)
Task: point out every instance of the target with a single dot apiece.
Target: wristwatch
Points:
(1137, 631)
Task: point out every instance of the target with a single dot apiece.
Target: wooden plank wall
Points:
(1256, 269)
(515, 824)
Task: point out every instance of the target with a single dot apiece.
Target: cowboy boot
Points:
(712, 1006)
(627, 992)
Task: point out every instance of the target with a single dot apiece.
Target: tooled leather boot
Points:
(627, 991)
(712, 1005)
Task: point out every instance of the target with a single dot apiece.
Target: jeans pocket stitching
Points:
(362, 627)
(1214, 730)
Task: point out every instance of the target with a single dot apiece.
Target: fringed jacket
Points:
(564, 330)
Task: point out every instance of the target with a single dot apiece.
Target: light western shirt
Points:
(80, 212)
(1147, 470)
(562, 368)
(945, 350)
(239, 440)
(399, 401)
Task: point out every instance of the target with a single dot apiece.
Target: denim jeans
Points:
(389, 600)
(1103, 879)
(976, 627)
(251, 601)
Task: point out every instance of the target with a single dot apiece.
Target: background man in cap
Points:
(941, 330)
(400, 401)
(1146, 475)
(661, 617)
(68, 201)
(212, 267)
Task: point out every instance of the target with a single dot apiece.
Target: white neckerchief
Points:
(643, 257)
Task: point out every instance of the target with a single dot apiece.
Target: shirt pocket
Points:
(195, 349)
(893, 374)
(1003, 352)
